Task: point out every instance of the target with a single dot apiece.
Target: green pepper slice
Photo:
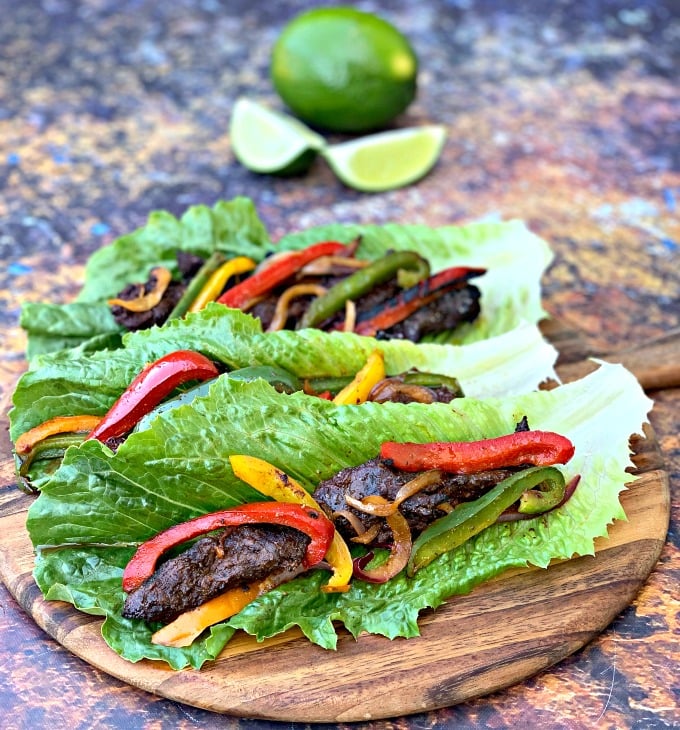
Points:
(363, 281)
(470, 518)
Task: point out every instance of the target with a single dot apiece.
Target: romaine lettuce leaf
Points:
(515, 258)
(74, 382)
(230, 227)
(99, 505)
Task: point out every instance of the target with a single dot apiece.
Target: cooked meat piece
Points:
(451, 309)
(157, 315)
(447, 312)
(213, 565)
(188, 264)
(375, 477)
(394, 390)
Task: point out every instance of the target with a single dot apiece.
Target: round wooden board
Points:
(503, 632)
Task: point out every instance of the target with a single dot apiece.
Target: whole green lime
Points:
(344, 70)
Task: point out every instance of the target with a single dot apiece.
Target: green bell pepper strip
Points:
(52, 447)
(363, 281)
(211, 265)
(433, 380)
(470, 518)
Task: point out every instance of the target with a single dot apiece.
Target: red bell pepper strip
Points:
(538, 448)
(148, 389)
(306, 519)
(413, 299)
(277, 272)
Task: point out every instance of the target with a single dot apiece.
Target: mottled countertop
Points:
(563, 114)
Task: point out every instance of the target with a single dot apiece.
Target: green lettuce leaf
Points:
(99, 505)
(515, 258)
(74, 382)
(54, 327)
(230, 227)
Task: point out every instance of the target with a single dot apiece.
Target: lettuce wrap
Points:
(76, 382)
(515, 258)
(99, 506)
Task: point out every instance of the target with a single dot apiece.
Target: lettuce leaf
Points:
(515, 260)
(71, 382)
(100, 505)
(230, 227)
(515, 257)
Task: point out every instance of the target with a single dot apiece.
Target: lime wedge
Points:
(387, 160)
(271, 142)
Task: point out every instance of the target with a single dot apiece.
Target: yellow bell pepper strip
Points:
(61, 424)
(210, 265)
(218, 280)
(145, 302)
(191, 624)
(470, 518)
(364, 381)
(274, 483)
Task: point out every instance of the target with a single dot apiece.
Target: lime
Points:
(387, 160)
(267, 141)
(344, 70)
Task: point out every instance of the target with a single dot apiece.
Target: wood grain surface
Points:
(504, 631)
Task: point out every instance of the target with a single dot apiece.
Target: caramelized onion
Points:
(145, 302)
(328, 265)
(367, 537)
(297, 290)
(400, 551)
(355, 522)
(390, 389)
(385, 508)
(350, 316)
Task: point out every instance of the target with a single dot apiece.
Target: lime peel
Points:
(341, 69)
(387, 160)
(270, 142)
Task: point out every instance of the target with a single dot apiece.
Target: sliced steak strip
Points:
(448, 312)
(375, 477)
(213, 565)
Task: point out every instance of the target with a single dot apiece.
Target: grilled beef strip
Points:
(376, 477)
(214, 564)
(447, 312)
(188, 264)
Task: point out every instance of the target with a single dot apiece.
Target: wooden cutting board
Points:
(503, 632)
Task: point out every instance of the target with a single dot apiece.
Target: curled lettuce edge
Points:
(87, 508)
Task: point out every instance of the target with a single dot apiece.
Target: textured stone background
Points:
(564, 114)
